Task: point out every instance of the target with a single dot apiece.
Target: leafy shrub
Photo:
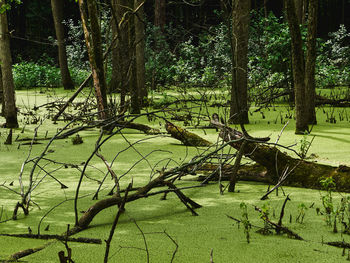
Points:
(30, 74)
(333, 61)
(159, 58)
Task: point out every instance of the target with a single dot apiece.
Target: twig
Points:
(176, 246)
(115, 222)
(144, 239)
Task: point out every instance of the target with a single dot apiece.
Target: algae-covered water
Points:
(165, 227)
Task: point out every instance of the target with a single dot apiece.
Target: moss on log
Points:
(186, 137)
(301, 173)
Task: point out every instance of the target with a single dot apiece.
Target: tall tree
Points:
(310, 85)
(10, 111)
(298, 68)
(135, 106)
(160, 14)
(57, 13)
(92, 34)
(122, 52)
(300, 10)
(140, 49)
(2, 113)
(303, 69)
(239, 46)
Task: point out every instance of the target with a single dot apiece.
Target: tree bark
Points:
(10, 111)
(301, 173)
(160, 14)
(92, 34)
(310, 85)
(2, 113)
(239, 46)
(186, 137)
(57, 13)
(140, 50)
(298, 69)
(135, 106)
(300, 10)
(120, 53)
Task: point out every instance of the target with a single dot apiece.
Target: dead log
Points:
(186, 137)
(143, 192)
(304, 173)
(321, 100)
(57, 237)
(253, 173)
(137, 126)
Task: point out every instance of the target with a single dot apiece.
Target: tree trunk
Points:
(301, 173)
(140, 50)
(160, 14)
(298, 69)
(10, 111)
(300, 10)
(121, 59)
(92, 36)
(239, 46)
(310, 85)
(186, 137)
(57, 13)
(2, 113)
(135, 107)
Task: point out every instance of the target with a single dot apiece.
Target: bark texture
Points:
(310, 85)
(186, 137)
(160, 14)
(302, 173)
(298, 69)
(92, 34)
(239, 45)
(58, 15)
(140, 50)
(10, 111)
(2, 96)
(120, 53)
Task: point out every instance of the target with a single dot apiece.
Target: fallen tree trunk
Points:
(302, 173)
(142, 192)
(320, 100)
(186, 137)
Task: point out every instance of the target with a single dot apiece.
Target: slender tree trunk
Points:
(120, 55)
(239, 45)
(310, 85)
(160, 14)
(10, 111)
(300, 10)
(298, 69)
(92, 34)
(133, 86)
(140, 50)
(2, 113)
(57, 13)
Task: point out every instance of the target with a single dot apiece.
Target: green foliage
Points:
(158, 55)
(245, 221)
(304, 146)
(30, 74)
(333, 62)
(203, 61)
(7, 5)
(76, 49)
(269, 49)
(301, 213)
(328, 184)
